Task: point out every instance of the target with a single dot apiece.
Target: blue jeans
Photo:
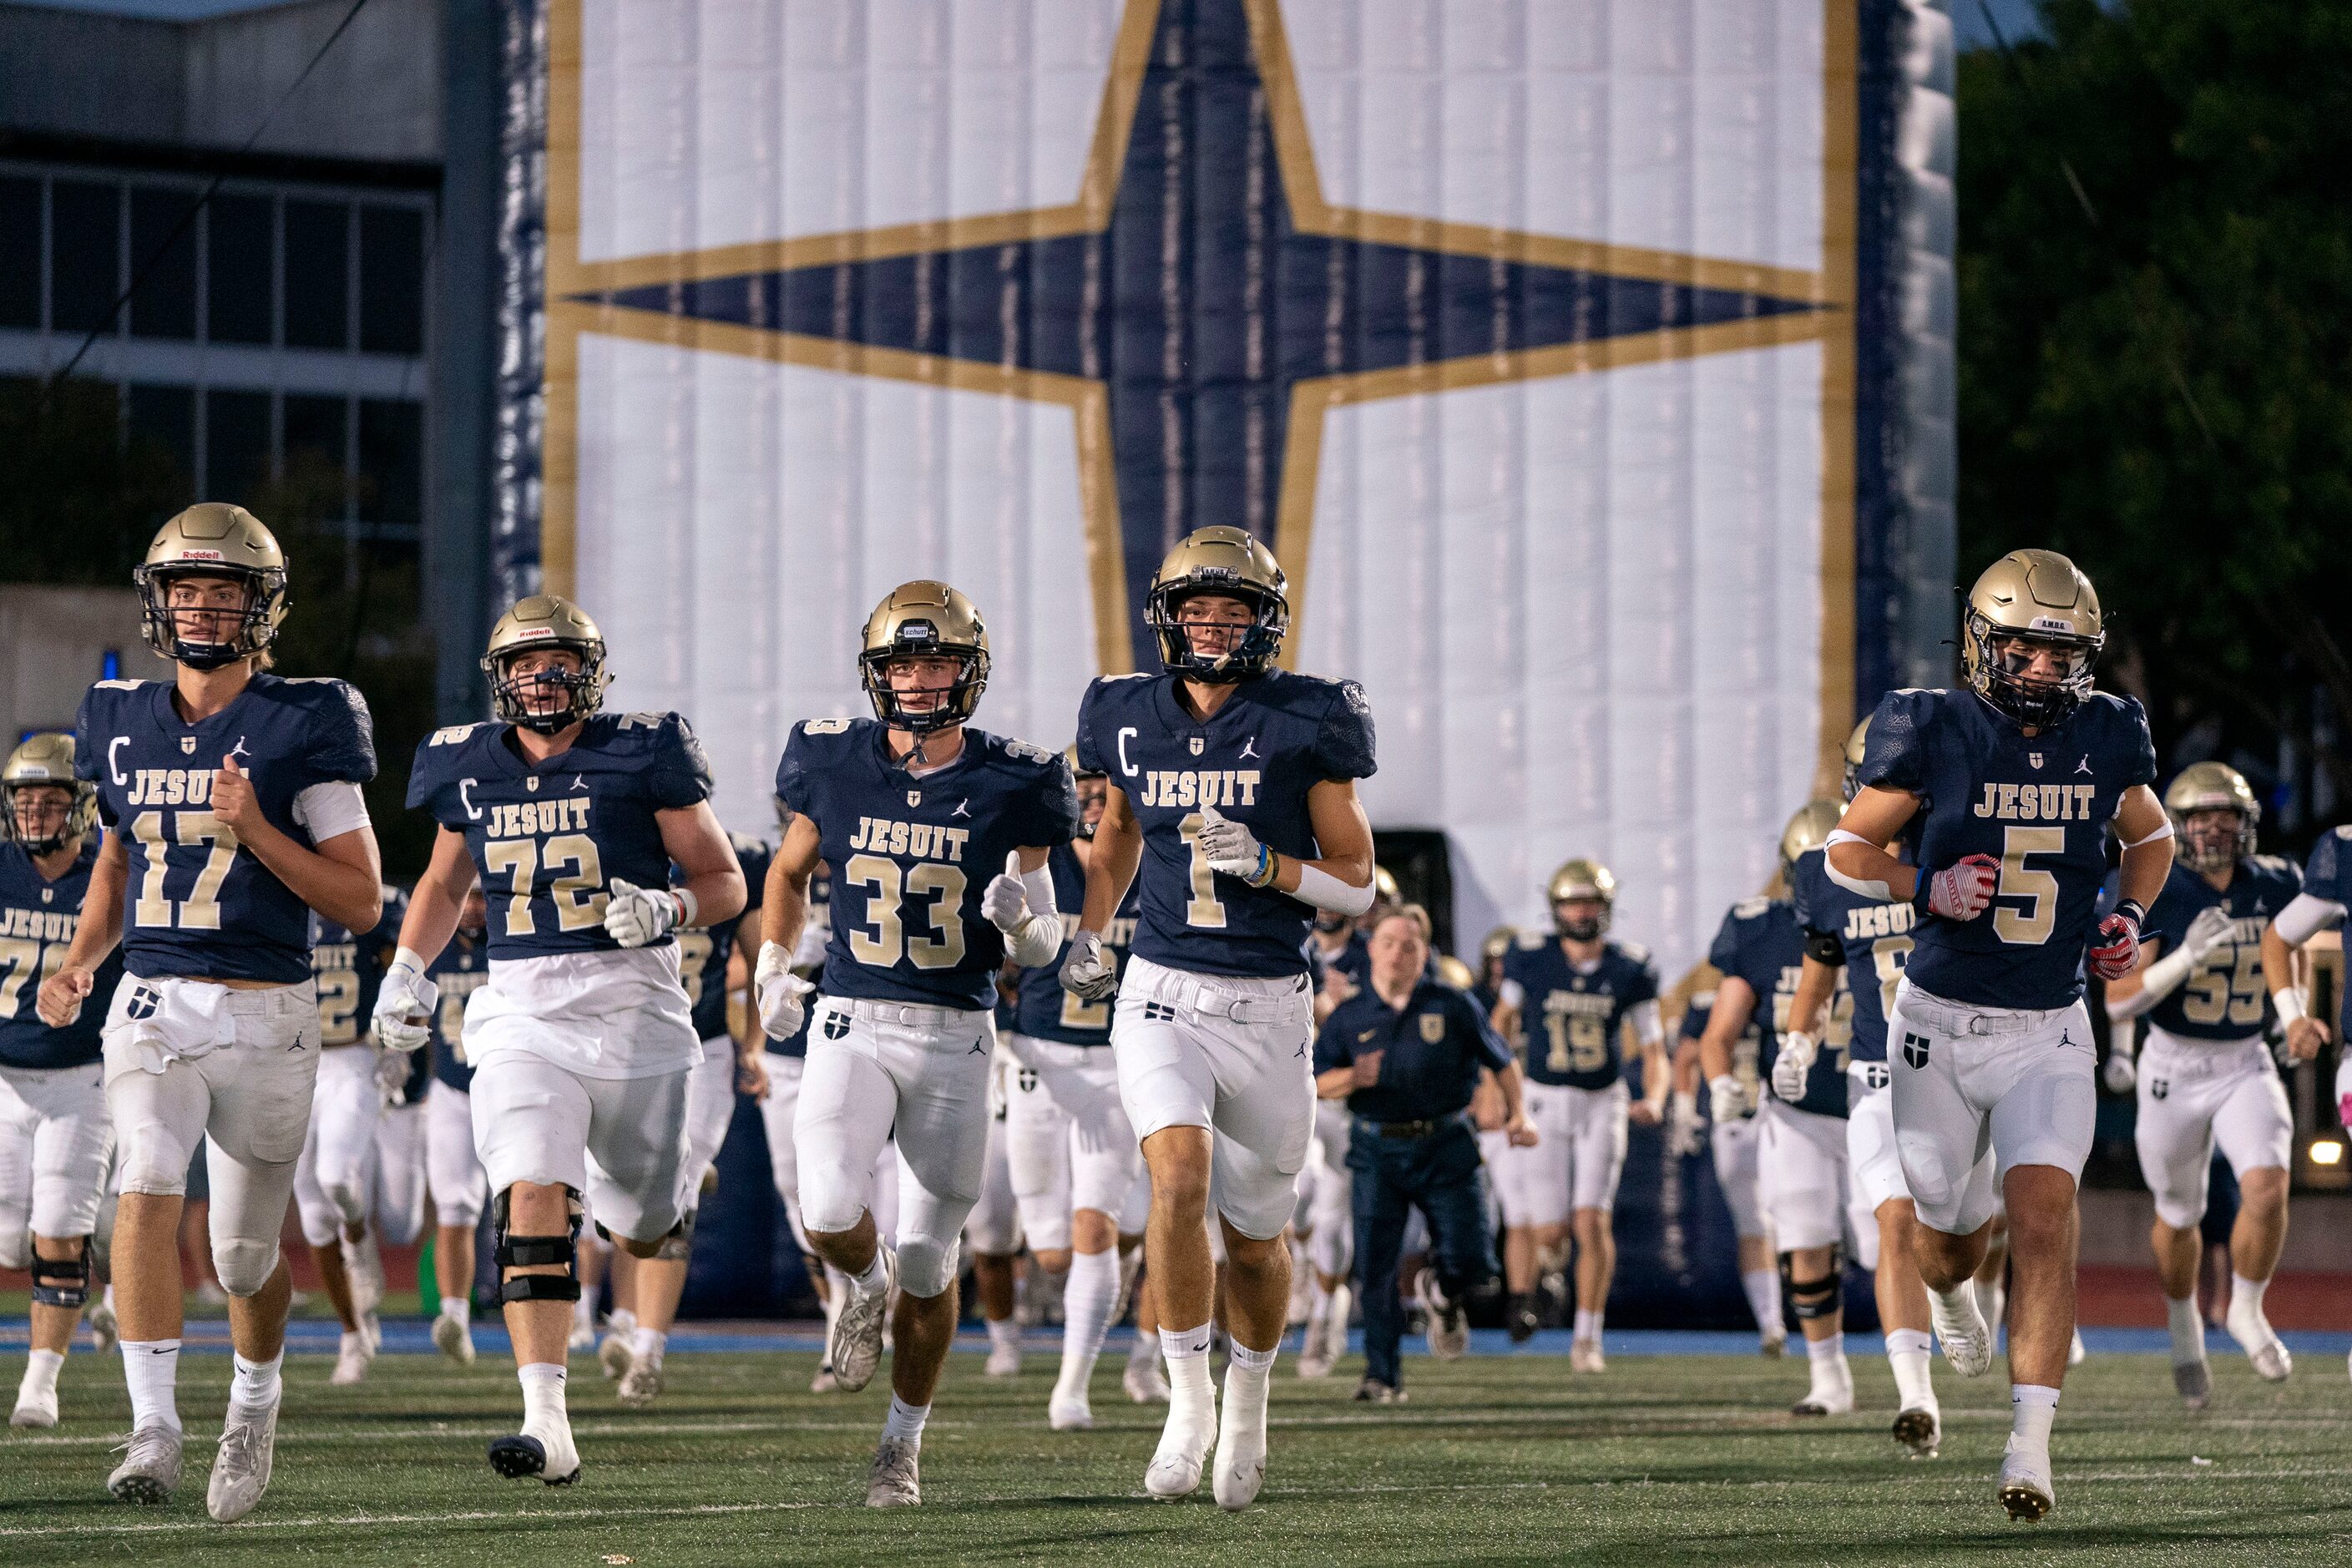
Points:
(1440, 1175)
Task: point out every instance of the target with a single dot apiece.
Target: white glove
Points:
(1793, 1064)
(2210, 930)
(1682, 1123)
(1727, 1102)
(1230, 847)
(782, 1010)
(403, 1006)
(1086, 973)
(392, 1067)
(635, 916)
(1004, 904)
(2120, 1073)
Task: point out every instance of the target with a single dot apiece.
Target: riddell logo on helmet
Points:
(526, 634)
(202, 555)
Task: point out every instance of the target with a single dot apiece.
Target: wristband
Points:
(1269, 866)
(687, 908)
(2139, 915)
(409, 956)
(2289, 1003)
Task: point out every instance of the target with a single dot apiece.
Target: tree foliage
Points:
(2156, 354)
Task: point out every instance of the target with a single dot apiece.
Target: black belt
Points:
(1410, 1129)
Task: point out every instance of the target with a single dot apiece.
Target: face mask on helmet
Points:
(45, 817)
(551, 697)
(1203, 640)
(202, 624)
(1581, 919)
(2036, 680)
(922, 706)
(2213, 838)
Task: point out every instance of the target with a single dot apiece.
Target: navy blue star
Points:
(1201, 305)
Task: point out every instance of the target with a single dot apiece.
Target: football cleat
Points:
(1241, 1450)
(1313, 1364)
(352, 1359)
(615, 1354)
(1335, 1324)
(37, 1409)
(2075, 1351)
(1373, 1391)
(363, 1265)
(1145, 1382)
(582, 1337)
(1774, 1344)
(824, 1381)
(1826, 1399)
(1449, 1327)
(1920, 1429)
(241, 1464)
(2025, 1488)
(1004, 1359)
(1065, 1413)
(896, 1481)
(102, 1331)
(546, 1452)
(1960, 1327)
(453, 1340)
(2260, 1341)
(641, 1385)
(151, 1470)
(2194, 1380)
(1521, 1317)
(855, 1346)
(1184, 1443)
(1584, 1356)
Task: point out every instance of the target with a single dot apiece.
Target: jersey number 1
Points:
(200, 910)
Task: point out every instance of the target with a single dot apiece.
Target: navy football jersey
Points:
(1275, 737)
(459, 972)
(1046, 1011)
(703, 951)
(2327, 874)
(37, 925)
(550, 839)
(2224, 997)
(1877, 939)
(195, 903)
(910, 857)
(2039, 805)
(1761, 942)
(349, 971)
(1575, 1020)
(1745, 1050)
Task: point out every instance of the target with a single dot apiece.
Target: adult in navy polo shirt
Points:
(1406, 1053)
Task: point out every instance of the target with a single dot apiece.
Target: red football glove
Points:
(2115, 950)
(1962, 890)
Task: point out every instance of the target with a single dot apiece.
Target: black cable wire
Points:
(188, 217)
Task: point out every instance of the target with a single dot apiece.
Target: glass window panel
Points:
(165, 305)
(317, 275)
(392, 281)
(238, 274)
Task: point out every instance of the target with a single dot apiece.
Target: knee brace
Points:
(62, 1281)
(679, 1245)
(1813, 1299)
(926, 1266)
(512, 1251)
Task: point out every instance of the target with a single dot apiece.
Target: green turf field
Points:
(1666, 1459)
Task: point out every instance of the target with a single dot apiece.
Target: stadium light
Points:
(2326, 1151)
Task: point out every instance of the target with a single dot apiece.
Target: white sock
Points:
(1003, 1331)
(543, 1394)
(1146, 1346)
(646, 1345)
(40, 1374)
(2031, 1408)
(1588, 1323)
(353, 1338)
(255, 1383)
(150, 1368)
(1827, 1353)
(1086, 1318)
(1318, 1299)
(1763, 1289)
(905, 1421)
(1190, 1392)
(458, 1307)
(874, 1278)
(1957, 1300)
(1908, 1351)
(1249, 1379)
(2246, 1295)
(2187, 1331)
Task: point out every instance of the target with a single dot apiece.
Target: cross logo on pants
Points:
(1914, 1050)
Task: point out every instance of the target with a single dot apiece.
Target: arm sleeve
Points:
(1896, 755)
(2305, 917)
(342, 737)
(331, 809)
(1090, 751)
(1331, 1047)
(1646, 1026)
(1343, 747)
(1486, 1044)
(680, 773)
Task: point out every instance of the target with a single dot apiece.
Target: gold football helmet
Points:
(47, 761)
(1498, 943)
(2029, 598)
(1227, 560)
(923, 619)
(1581, 879)
(1854, 746)
(546, 620)
(2202, 788)
(1384, 888)
(1455, 973)
(212, 539)
(1808, 830)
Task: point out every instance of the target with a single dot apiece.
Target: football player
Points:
(1234, 784)
(914, 813)
(453, 1171)
(582, 1041)
(1732, 1146)
(1801, 1136)
(1575, 992)
(1846, 936)
(2015, 781)
(234, 797)
(1073, 1153)
(52, 1089)
(334, 1178)
(633, 1353)
(2326, 892)
(2205, 1075)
